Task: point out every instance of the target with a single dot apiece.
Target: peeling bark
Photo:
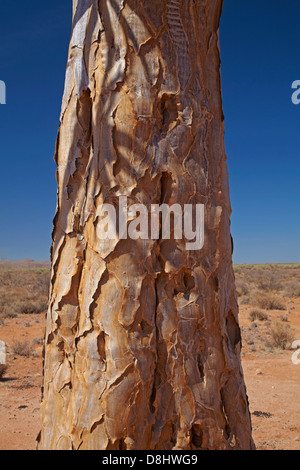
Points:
(142, 347)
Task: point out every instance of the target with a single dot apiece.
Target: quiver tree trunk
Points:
(142, 346)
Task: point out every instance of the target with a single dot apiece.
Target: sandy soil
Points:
(20, 390)
(273, 384)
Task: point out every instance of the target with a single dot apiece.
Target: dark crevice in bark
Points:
(169, 112)
(166, 183)
(197, 436)
(233, 330)
(227, 428)
(122, 445)
(101, 347)
(96, 424)
(200, 366)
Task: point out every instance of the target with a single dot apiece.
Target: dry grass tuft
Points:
(22, 348)
(259, 315)
(292, 289)
(242, 288)
(267, 300)
(282, 335)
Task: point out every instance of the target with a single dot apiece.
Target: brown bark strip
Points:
(142, 344)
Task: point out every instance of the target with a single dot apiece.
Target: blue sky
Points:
(260, 60)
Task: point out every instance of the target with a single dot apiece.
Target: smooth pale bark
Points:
(142, 345)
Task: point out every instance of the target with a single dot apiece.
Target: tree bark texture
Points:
(142, 347)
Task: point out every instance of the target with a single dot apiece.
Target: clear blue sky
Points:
(260, 60)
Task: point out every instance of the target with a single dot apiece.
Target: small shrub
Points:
(242, 288)
(27, 307)
(284, 318)
(8, 311)
(292, 289)
(38, 341)
(282, 336)
(259, 315)
(245, 300)
(11, 315)
(22, 348)
(267, 300)
(3, 370)
(270, 281)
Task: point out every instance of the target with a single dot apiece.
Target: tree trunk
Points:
(142, 346)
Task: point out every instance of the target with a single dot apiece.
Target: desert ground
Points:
(269, 299)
